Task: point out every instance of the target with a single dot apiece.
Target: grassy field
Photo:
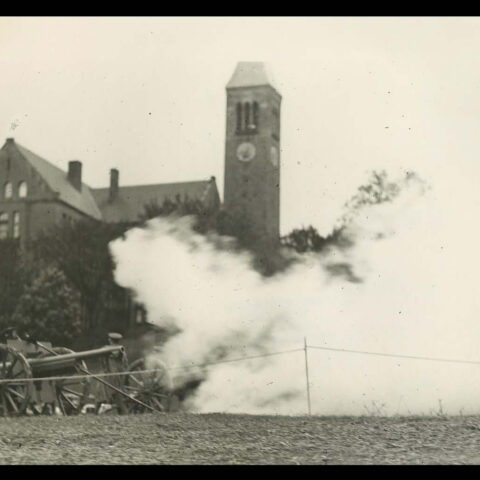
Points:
(239, 439)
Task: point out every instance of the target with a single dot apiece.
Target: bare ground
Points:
(239, 439)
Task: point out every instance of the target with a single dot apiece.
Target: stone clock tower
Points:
(252, 152)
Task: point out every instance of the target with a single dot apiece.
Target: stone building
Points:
(35, 194)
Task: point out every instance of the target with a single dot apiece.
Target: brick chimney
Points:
(75, 174)
(114, 176)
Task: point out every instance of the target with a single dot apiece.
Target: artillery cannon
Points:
(37, 378)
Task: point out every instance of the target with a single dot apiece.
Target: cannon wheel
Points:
(72, 394)
(148, 387)
(14, 395)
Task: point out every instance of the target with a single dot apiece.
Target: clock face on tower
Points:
(274, 156)
(245, 151)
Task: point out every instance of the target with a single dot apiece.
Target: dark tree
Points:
(267, 258)
(80, 250)
(378, 189)
(13, 275)
(309, 240)
(206, 218)
(49, 308)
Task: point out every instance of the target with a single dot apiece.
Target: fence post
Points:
(306, 374)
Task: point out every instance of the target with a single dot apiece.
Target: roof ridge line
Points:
(153, 184)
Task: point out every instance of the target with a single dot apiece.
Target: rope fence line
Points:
(396, 355)
(238, 359)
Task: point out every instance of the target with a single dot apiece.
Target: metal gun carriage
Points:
(37, 378)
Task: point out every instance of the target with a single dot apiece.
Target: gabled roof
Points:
(130, 202)
(251, 74)
(57, 180)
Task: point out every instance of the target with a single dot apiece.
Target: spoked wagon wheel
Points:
(14, 394)
(151, 388)
(72, 394)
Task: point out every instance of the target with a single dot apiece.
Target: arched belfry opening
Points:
(255, 116)
(239, 117)
(246, 107)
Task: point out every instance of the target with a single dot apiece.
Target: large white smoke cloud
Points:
(419, 295)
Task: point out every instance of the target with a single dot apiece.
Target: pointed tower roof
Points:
(251, 74)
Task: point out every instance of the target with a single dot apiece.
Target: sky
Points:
(147, 96)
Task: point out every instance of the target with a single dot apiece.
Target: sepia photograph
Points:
(239, 240)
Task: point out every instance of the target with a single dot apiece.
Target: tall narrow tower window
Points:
(3, 225)
(22, 189)
(255, 115)
(276, 124)
(239, 117)
(7, 190)
(16, 224)
(247, 116)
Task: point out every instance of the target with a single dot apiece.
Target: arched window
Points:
(247, 115)
(140, 315)
(16, 224)
(7, 190)
(3, 225)
(239, 117)
(255, 115)
(22, 189)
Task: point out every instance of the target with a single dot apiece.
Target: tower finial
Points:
(251, 74)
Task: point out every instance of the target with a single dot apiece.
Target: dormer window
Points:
(22, 189)
(7, 190)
